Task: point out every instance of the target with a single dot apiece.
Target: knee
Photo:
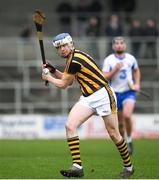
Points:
(114, 135)
(69, 127)
(126, 115)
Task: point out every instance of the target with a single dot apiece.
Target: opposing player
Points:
(97, 97)
(121, 69)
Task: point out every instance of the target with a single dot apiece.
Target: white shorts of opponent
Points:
(98, 101)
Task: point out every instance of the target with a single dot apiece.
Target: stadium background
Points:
(21, 90)
(29, 109)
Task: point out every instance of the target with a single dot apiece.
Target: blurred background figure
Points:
(151, 34)
(113, 29)
(95, 10)
(25, 33)
(121, 68)
(82, 13)
(126, 7)
(65, 11)
(135, 32)
(92, 31)
(129, 6)
(115, 5)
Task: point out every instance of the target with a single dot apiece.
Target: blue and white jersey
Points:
(119, 81)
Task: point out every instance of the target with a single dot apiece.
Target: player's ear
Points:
(72, 45)
(113, 47)
(125, 45)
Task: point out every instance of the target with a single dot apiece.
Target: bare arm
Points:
(136, 76)
(58, 74)
(63, 82)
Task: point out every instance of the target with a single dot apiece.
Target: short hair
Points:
(118, 38)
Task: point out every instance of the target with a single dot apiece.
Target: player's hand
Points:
(136, 87)
(49, 66)
(118, 66)
(45, 74)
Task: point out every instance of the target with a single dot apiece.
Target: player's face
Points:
(119, 46)
(64, 50)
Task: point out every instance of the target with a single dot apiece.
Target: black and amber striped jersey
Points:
(87, 73)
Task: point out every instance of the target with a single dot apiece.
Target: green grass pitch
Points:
(43, 159)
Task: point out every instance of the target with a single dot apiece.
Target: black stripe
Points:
(84, 89)
(86, 93)
(74, 144)
(88, 66)
(93, 79)
(126, 156)
(120, 143)
(122, 148)
(88, 84)
(73, 154)
(121, 151)
(73, 149)
(73, 139)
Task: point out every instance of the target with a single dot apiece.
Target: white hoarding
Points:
(40, 126)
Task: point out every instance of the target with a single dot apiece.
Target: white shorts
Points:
(99, 102)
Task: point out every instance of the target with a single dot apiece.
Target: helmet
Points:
(61, 39)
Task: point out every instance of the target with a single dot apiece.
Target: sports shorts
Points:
(99, 101)
(125, 96)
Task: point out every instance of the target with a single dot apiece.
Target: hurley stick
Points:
(38, 18)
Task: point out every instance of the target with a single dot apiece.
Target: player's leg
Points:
(128, 108)
(111, 123)
(77, 116)
(121, 123)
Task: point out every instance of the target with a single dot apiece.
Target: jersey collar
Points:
(119, 57)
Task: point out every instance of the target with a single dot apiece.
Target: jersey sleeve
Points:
(106, 65)
(135, 64)
(73, 68)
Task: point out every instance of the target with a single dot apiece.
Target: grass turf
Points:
(43, 159)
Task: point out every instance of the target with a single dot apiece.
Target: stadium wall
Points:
(44, 127)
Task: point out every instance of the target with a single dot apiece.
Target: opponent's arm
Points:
(136, 77)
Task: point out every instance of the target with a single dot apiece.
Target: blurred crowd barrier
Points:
(23, 92)
(22, 126)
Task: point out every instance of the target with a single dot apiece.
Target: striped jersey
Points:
(87, 73)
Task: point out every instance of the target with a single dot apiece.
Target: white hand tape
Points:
(45, 71)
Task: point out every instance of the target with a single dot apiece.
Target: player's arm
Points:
(136, 77)
(67, 77)
(58, 74)
(66, 80)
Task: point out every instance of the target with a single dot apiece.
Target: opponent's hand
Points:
(133, 86)
(136, 87)
(51, 68)
(118, 66)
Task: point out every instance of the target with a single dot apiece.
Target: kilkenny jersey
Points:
(88, 75)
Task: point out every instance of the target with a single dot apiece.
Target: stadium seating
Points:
(21, 88)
